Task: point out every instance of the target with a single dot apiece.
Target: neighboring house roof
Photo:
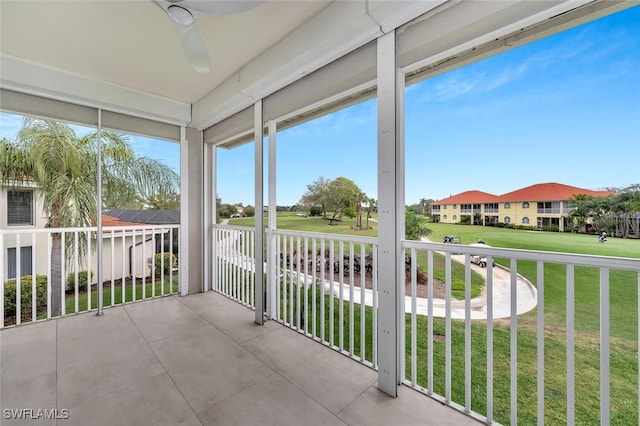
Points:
(468, 197)
(114, 221)
(550, 191)
(149, 217)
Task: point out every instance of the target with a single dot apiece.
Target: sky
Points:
(563, 109)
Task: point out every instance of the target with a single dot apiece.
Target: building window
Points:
(507, 205)
(525, 205)
(455, 206)
(507, 219)
(25, 262)
(19, 208)
(455, 217)
(444, 217)
(525, 220)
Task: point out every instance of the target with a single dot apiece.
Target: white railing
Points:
(327, 290)
(484, 358)
(503, 343)
(234, 264)
(322, 285)
(63, 269)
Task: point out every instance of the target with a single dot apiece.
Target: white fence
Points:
(62, 275)
(522, 347)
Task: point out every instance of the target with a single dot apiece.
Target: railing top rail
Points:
(328, 236)
(236, 227)
(545, 256)
(105, 229)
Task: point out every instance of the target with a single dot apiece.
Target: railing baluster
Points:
(331, 294)
(430, 322)
(291, 280)
(363, 290)
(171, 260)
(570, 347)
(18, 280)
(305, 287)
(75, 272)
(113, 268)
(49, 248)
(298, 286)
(285, 269)
(341, 288)
(605, 384)
(144, 264)
(314, 260)
(152, 264)
(540, 340)
(322, 281)
(123, 282)
(88, 283)
(63, 306)
(351, 296)
(514, 341)
(489, 342)
(34, 304)
(2, 275)
(467, 333)
(414, 313)
(132, 259)
(447, 328)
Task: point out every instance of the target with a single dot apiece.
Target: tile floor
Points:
(195, 360)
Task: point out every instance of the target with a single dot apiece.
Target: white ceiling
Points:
(134, 43)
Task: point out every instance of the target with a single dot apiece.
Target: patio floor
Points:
(195, 360)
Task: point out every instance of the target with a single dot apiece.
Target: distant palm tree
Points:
(64, 169)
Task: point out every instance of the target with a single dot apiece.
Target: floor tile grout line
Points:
(164, 368)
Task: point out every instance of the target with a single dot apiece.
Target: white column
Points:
(184, 214)
(206, 218)
(390, 214)
(259, 217)
(213, 190)
(99, 216)
(272, 276)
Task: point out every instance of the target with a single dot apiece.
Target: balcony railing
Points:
(138, 263)
(526, 349)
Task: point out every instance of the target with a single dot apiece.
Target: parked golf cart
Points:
(478, 259)
(451, 239)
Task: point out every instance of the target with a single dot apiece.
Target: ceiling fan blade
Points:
(219, 7)
(194, 48)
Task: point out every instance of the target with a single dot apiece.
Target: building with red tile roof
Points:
(539, 205)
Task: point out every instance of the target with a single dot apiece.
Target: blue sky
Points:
(564, 109)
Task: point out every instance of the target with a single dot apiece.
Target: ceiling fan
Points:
(184, 14)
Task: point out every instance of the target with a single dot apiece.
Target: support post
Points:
(390, 215)
(259, 217)
(99, 217)
(272, 277)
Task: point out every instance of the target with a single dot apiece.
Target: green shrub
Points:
(82, 280)
(164, 262)
(26, 306)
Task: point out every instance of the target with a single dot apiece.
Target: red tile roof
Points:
(469, 197)
(550, 191)
(114, 221)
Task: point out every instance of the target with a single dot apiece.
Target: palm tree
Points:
(64, 168)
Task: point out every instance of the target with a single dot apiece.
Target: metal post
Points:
(99, 215)
(390, 214)
(259, 217)
(272, 278)
(183, 271)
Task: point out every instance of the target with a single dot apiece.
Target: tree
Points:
(415, 225)
(315, 195)
(341, 197)
(64, 168)
(163, 200)
(582, 209)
